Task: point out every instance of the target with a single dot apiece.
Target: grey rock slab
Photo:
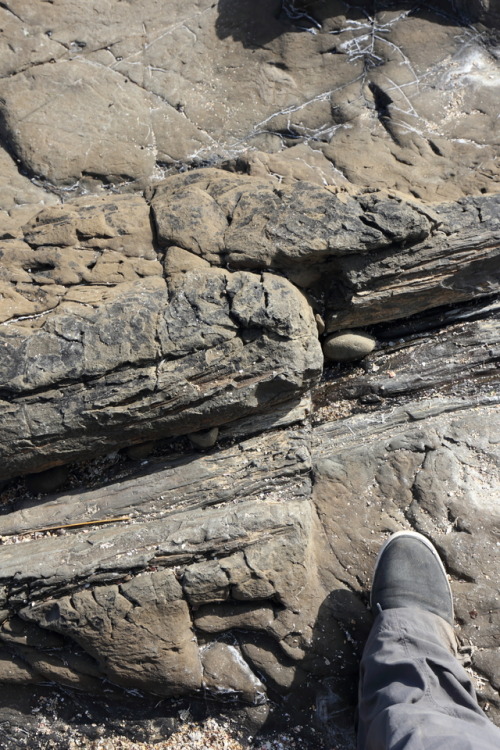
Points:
(14, 670)
(366, 257)
(300, 162)
(71, 346)
(461, 359)
(269, 466)
(414, 143)
(125, 600)
(290, 413)
(117, 550)
(281, 672)
(25, 47)
(457, 262)
(190, 218)
(250, 223)
(146, 364)
(279, 580)
(118, 223)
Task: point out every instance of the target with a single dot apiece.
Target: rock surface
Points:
(363, 258)
(102, 348)
(403, 97)
(194, 200)
(258, 562)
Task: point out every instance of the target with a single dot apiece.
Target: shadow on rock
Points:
(255, 23)
(340, 632)
(323, 696)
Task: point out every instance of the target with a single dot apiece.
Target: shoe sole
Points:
(428, 544)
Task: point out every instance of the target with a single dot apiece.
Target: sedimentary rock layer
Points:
(249, 564)
(194, 198)
(114, 335)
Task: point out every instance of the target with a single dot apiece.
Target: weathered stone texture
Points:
(102, 347)
(62, 121)
(399, 97)
(440, 477)
(145, 625)
(195, 198)
(238, 357)
(137, 614)
(365, 258)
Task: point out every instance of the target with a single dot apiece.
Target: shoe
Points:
(409, 573)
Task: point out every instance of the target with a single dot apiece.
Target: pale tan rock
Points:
(63, 122)
(225, 673)
(215, 618)
(120, 223)
(178, 260)
(25, 47)
(348, 346)
(146, 627)
(429, 131)
(19, 198)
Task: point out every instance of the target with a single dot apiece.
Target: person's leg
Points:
(414, 694)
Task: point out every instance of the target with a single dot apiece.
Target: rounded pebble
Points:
(204, 438)
(348, 346)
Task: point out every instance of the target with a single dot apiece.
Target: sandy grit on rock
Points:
(210, 735)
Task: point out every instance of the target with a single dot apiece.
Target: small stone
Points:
(320, 323)
(205, 438)
(226, 674)
(348, 346)
(47, 481)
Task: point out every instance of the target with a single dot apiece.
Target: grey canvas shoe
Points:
(409, 573)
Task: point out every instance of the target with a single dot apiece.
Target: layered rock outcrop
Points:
(195, 200)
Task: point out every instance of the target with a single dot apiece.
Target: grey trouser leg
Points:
(414, 695)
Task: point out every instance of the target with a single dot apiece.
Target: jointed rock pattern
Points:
(249, 324)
